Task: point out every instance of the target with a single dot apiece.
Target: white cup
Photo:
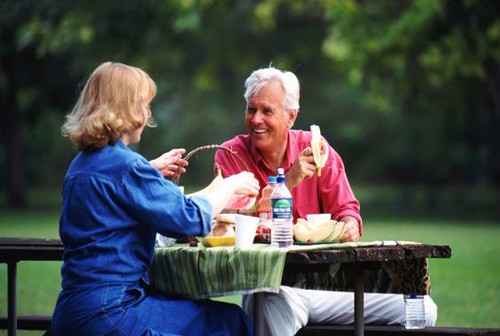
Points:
(314, 219)
(245, 229)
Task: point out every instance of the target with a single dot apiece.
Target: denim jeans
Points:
(128, 309)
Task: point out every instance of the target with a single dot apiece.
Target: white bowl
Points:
(318, 218)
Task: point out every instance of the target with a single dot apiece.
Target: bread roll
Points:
(222, 229)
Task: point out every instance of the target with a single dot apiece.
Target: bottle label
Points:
(282, 208)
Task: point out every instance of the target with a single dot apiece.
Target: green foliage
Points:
(404, 90)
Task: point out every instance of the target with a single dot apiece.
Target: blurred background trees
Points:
(407, 91)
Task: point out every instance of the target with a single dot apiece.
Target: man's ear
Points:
(292, 115)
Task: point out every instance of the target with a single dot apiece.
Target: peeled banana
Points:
(218, 178)
(317, 145)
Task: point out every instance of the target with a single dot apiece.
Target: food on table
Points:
(223, 226)
(325, 232)
(241, 202)
(221, 230)
(263, 233)
(227, 218)
(320, 152)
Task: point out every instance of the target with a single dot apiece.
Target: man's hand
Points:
(171, 163)
(351, 231)
(303, 167)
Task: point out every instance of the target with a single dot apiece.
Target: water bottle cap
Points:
(281, 179)
(413, 296)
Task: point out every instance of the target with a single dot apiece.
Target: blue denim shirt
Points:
(114, 203)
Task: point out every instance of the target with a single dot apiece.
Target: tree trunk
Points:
(12, 129)
(492, 104)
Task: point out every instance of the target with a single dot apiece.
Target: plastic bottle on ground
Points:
(414, 311)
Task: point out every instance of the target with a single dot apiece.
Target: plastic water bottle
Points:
(414, 311)
(281, 204)
(264, 207)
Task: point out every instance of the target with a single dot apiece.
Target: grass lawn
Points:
(466, 287)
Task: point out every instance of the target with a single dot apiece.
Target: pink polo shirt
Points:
(330, 193)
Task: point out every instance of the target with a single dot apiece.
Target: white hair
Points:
(287, 79)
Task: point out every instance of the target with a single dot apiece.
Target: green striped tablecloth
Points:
(199, 272)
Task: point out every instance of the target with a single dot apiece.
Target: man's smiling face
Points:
(266, 119)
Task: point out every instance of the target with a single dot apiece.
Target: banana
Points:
(218, 178)
(316, 145)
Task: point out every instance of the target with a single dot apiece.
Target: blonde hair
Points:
(112, 102)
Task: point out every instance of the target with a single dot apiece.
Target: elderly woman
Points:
(272, 98)
(114, 204)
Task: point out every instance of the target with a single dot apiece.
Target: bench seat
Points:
(337, 330)
(31, 322)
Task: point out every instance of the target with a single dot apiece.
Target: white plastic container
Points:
(245, 230)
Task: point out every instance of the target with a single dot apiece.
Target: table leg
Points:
(258, 313)
(12, 298)
(359, 323)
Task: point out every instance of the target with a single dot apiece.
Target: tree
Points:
(434, 66)
(371, 72)
(34, 63)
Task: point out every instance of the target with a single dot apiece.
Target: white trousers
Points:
(288, 311)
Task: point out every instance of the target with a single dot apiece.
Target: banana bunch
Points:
(317, 146)
(203, 192)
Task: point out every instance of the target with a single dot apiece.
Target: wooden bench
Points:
(322, 330)
(12, 251)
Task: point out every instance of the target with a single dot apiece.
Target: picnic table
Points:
(379, 266)
(358, 262)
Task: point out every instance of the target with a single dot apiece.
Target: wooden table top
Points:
(16, 249)
(369, 253)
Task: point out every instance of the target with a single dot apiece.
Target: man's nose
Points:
(257, 117)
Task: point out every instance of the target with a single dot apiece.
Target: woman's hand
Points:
(168, 163)
(243, 183)
(351, 231)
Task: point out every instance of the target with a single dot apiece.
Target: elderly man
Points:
(272, 98)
